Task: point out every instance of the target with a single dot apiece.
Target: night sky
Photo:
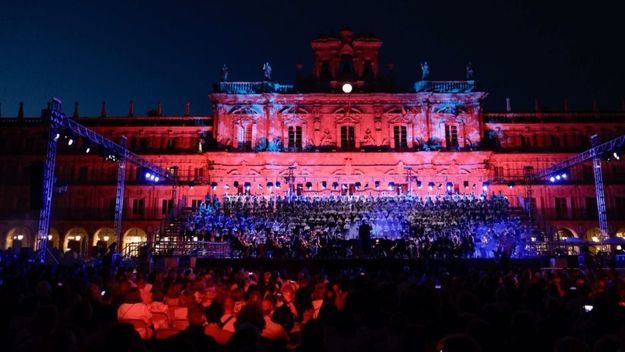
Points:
(116, 51)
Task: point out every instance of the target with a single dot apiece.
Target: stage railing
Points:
(202, 249)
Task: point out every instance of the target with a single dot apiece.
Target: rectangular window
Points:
(525, 142)
(138, 206)
(528, 171)
(591, 208)
(348, 139)
(451, 136)
(83, 173)
(166, 206)
(111, 207)
(584, 141)
(144, 144)
(198, 172)
(498, 172)
(171, 144)
(619, 208)
(619, 172)
(195, 203)
(561, 210)
(244, 137)
(295, 137)
(555, 140)
(400, 136)
(587, 173)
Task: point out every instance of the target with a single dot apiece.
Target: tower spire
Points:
(76, 114)
(103, 110)
(187, 108)
(20, 112)
(159, 108)
(536, 104)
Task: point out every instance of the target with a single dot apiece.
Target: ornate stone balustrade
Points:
(254, 87)
(444, 86)
(529, 117)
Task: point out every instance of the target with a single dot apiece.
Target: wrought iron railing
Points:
(202, 249)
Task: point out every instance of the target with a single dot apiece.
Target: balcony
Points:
(253, 87)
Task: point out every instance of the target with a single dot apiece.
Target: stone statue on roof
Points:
(267, 71)
(425, 70)
(224, 73)
(470, 71)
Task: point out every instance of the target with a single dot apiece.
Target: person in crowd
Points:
(193, 337)
(134, 310)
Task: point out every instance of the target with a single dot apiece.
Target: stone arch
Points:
(133, 235)
(54, 238)
(565, 232)
(76, 236)
(593, 234)
(106, 234)
(22, 237)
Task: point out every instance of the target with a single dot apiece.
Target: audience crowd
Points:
(400, 308)
(332, 227)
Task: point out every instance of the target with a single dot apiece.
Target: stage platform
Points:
(369, 264)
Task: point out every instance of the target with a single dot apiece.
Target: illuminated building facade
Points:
(344, 129)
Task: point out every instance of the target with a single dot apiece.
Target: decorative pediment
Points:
(293, 120)
(453, 171)
(346, 49)
(244, 110)
(243, 170)
(345, 110)
(391, 172)
(296, 109)
(400, 119)
(449, 107)
(347, 120)
(398, 109)
(244, 119)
